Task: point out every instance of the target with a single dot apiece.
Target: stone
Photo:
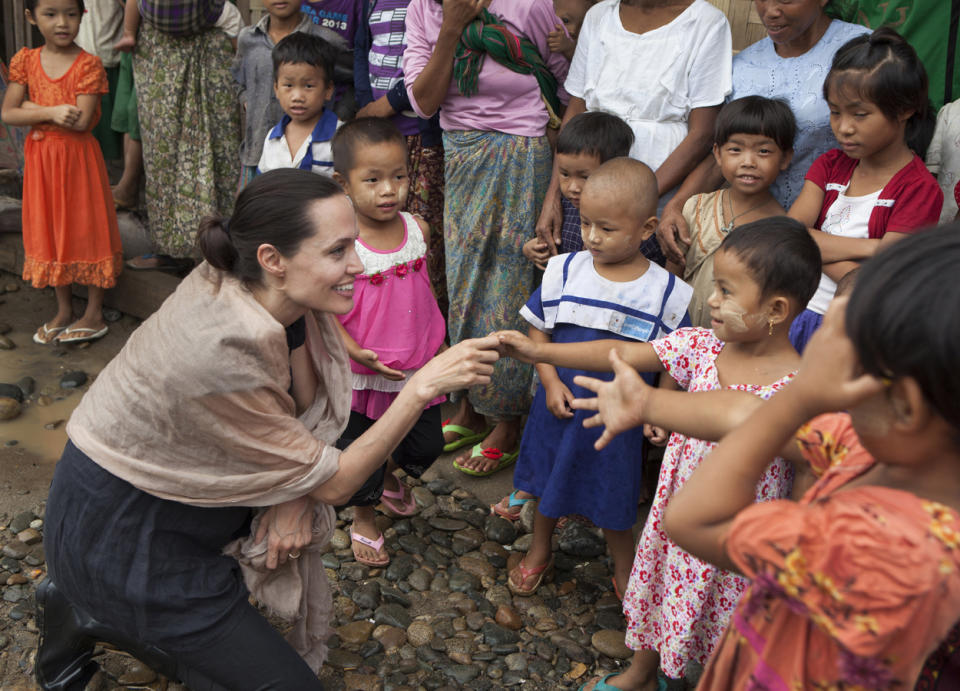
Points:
(466, 540)
(137, 674)
(508, 618)
(73, 380)
(11, 391)
(500, 530)
(494, 553)
(392, 615)
(13, 593)
(10, 564)
(21, 610)
(413, 544)
(494, 635)
(367, 596)
(528, 513)
(16, 549)
(53, 425)
(12, 287)
(447, 524)
(111, 315)
(419, 633)
(21, 521)
(577, 670)
(362, 682)
(339, 539)
(6, 343)
(17, 579)
(475, 620)
(611, 643)
(338, 658)
(390, 637)
(499, 595)
(9, 407)
(394, 596)
(420, 579)
(401, 566)
(441, 486)
(43, 401)
(27, 385)
(356, 632)
(436, 557)
(478, 567)
(463, 674)
(462, 581)
(423, 496)
(5, 328)
(580, 541)
(516, 662)
(610, 620)
(30, 536)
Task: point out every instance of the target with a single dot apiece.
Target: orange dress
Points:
(851, 589)
(70, 230)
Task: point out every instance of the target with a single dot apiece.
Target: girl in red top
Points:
(70, 230)
(874, 189)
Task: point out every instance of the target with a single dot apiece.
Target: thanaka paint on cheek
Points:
(735, 317)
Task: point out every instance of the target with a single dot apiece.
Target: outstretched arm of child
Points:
(588, 355)
(366, 357)
(15, 113)
(700, 515)
(558, 395)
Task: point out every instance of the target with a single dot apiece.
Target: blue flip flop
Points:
(512, 501)
(602, 685)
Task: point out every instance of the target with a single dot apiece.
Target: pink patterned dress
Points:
(675, 603)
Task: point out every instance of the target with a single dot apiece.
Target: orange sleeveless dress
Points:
(70, 230)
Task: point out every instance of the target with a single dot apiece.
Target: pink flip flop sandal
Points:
(544, 572)
(393, 500)
(372, 544)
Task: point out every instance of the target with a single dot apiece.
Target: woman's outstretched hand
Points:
(829, 377)
(468, 363)
(620, 403)
(288, 528)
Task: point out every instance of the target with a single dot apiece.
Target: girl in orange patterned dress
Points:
(70, 230)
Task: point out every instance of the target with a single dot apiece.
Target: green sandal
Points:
(467, 436)
(494, 454)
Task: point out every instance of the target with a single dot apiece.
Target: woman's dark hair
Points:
(361, 131)
(273, 210)
(300, 47)
(767, 117)
(780, 256)
(32, 5)
(596, 133)
(903, 316)
(885, 70)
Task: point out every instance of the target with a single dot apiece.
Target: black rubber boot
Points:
(68, 636)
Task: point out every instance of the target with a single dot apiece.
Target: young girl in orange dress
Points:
(70, 230)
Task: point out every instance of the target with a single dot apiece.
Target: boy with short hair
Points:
(253, 72)
(584, 144)
(303, 83)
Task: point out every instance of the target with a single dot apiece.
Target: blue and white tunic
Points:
(557, 460)
(314, 154)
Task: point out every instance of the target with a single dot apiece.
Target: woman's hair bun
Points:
(215, 245)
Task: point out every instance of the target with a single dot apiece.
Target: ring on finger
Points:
(294, 555)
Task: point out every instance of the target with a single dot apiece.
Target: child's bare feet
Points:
(368, 547)
(126, 44)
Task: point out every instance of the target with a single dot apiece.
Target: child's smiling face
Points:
(751, 162)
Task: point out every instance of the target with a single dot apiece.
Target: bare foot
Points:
(365, 526)
(122, 199)
(505, 436)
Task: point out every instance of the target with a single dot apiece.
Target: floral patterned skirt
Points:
(426, 200)
(495, 184)
(190, 125)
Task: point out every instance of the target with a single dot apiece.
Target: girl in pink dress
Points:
(677, 607)
(395, 325)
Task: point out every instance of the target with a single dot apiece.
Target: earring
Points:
(770, 324)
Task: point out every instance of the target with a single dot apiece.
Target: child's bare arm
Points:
(87, 103)
(17, 112)
(588, 355)
(558, 395)
(700, 515)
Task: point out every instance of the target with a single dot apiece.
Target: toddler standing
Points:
(874, 190)
(677, 606)
(70, 230)
(609, 290)
(584, 144)
(303, 83)
(752, 144)
(253, 71)
(395, 325)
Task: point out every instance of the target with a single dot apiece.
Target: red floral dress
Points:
(675, 603)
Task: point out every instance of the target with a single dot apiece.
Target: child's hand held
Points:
(620, 404)
(514, 344)
(371, 360)
(657, 436)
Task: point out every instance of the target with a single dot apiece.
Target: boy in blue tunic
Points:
(608, 290)
(303, 82)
